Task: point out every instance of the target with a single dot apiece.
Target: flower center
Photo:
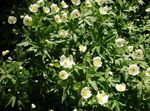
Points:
(34, 8)
(86, 92)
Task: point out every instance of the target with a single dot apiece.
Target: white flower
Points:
(76, 2)
(141, 2)
(51, 64)
(102, 98)
(36, 81)
(120, 87)
(66, 62)
(100, 2)
(9, 58)
(97, 61)
(20, 67)
(64, 16)
(82, 48)
(148, 72)
(147, 10)
(12, 12)
(86, 93)
(120, 42)
(57, 19)
(63, 74)
(5, 52)
(133, 69)
(75, 110)
(104, 10)
(75, 13)
(33, 8)
(27, 20)
(12, 20)
(9, 90)
(62, 33)
(139, 54)
(54, 8)
(63, 4)
(46, 10)
(22, 16)
(130, 48)
(88, 3)
(33, 106)
(40, 3)
(110, 73)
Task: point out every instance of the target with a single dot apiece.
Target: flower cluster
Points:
(91, 48)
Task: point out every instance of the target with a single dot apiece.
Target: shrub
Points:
(92, 55)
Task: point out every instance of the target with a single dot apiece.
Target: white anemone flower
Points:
(97, 61)
(63, 33)
(33, 8)
(102, 98)
(5, 52)
(40, 3)
(21, 16)
(64, 4)
(63, 74)
(139, 54)
(76, 2)
(33, 106)
(110, 73)
(12, 20)
(120, 87)
(88, 3)
(130, 48)
(104, 10)
(64, 16)
(148, 72)
(134, 69)
(57, 19)
(147, 10)
(54, 8)
(75, 110)
(75, 13)
(27, 20)
(120, 42)
(82, 48)
(46, 10)
(9, 58)
(66, 62)
(100, 2)
(86, 93)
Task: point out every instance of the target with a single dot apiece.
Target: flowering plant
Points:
(87, 55)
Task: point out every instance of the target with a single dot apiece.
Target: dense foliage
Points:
(90, 55)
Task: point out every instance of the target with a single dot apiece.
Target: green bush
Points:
(92, 55)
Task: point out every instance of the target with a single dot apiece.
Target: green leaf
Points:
(13, 67)
(26, 43)
(64, 94)
(143, 64)
(48, 29)
(2, 78)
(11, 78)
(75, 37)
(113, 105)
(2, 70)
(77, 86)
(94, 85)
(11, 101)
